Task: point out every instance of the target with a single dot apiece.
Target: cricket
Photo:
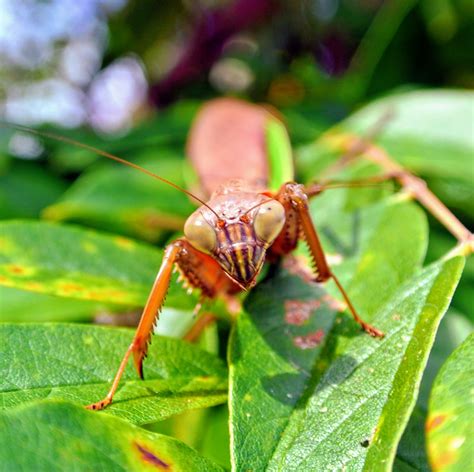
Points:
(251, 212)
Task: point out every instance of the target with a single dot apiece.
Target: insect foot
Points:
(372, 330)
(99, 405)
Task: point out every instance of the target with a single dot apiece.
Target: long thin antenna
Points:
(100, 152)
(258, 204)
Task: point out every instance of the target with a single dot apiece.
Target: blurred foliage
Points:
(328, 67)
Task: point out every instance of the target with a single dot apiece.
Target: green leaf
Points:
(411, 452)
(26, 188)
(449, 426)
(430, 133)
(77, 363)
(25, 306)
(349, 415)
(279, 153)
(359, 241)
(206, 430)
(370, 272)
(57, 436)
(274, 345)
(124, 200)
(453, 330)
(76, 263)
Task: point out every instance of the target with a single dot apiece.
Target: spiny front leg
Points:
(199, 271)
(295, 200)
(139, 345)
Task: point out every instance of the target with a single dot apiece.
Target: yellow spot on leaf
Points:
(110, 295)
(70, 287)
(88, 340)
(6, 245)
(440, 461)
(124, 243)
(33, 286)
(89, 247)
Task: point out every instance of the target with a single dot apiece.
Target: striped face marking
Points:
(237, 232)
(240, 253)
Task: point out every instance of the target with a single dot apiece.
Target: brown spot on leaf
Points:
(16, 269)
(297, 312)
(149, 457)
(299, 266)
(3, 279)
(309, 341)
(434, 422)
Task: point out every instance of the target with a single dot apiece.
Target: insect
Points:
(243, 224)
(246, 217)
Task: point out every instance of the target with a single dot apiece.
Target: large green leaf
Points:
(449, 426)
(273, 348)
(346, 416)
(376, 248)
(124, 200)
(57, 436)
(77, 263)
(77, 363)
(430, 133)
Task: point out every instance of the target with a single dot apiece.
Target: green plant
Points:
(304, 393)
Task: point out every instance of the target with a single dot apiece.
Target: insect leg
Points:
(139, 345)
(414, 187)
(317, 188)
(202, 323)
(295, 194)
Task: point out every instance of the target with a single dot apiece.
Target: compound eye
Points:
(269, 221)
(200, 233)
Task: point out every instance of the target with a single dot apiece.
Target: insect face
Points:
(238, 240)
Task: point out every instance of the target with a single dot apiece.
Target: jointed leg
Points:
(411, 184)
(199, 271)
(373, 181)
(201, 324)
(295, 194)
(139, 345)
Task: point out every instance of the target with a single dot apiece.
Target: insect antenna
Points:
(316, 189)
(257, 205)
(100, 152)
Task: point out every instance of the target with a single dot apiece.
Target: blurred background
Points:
(128, 76)
(108, 64)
